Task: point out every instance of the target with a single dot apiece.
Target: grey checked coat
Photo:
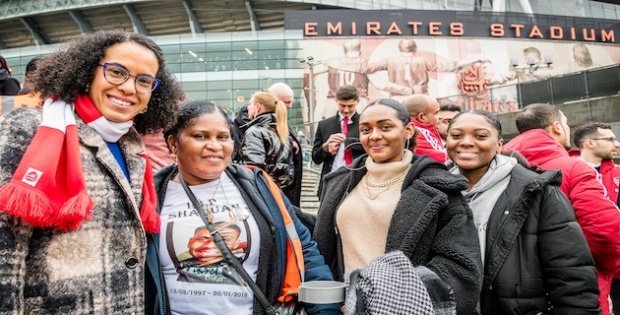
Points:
(97, 269)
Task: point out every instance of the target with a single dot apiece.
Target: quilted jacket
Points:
(262, 148)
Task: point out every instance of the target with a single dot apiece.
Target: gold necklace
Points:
(232, 213)
(385, 186)
(388, 183)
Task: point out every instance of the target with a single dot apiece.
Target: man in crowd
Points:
(285, 94)
(31, 67)
(598, 146)
(424, 110)
(336, 142)
(544, 140)
(446, 113)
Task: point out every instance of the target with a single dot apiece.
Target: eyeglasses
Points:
(117, 75)
(610, 139)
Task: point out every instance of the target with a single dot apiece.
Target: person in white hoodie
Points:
(536, 259)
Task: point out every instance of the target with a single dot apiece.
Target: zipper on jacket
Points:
(336, 212)
(340, 260)
(164, 290)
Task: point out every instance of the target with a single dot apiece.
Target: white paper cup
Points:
(322, 292)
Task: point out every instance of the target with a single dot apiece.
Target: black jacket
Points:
(241, 124)
(325, 129)
(8, 85)
(432, 225)
(537, 259)
(262, 148)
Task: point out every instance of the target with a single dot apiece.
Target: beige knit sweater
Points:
(363, 218)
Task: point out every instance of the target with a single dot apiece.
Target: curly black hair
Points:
(67, 72)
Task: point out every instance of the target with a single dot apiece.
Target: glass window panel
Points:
(197, 48)
(219, 85)
(173, 58)
(194, 86)
(247, 87)
(16, 67)
(186, 67)
(220, 66)
(245, 45)
(171, 49)
(245, 64)
(174, 67)
(218, 46)
(292, 64)
(270, 54)
(271, 44)
(196, 95)
(200, 96)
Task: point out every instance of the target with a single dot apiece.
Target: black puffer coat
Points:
(537, 259)
(262, 148)
(432, 225)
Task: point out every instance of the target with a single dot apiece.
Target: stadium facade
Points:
(478, 53)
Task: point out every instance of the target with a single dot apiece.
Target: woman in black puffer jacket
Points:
(536, 259)
(267, 142)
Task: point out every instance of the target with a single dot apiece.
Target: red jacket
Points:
(610, 172)
(598, 216)
(610, 176)
(429, 142)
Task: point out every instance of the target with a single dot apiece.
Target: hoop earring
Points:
(350, 168)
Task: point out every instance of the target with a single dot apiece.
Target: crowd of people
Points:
(118, 196)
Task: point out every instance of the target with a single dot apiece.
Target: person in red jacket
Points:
(544, 139)
(598, 146)
(423, 110)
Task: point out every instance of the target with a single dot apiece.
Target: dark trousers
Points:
(615, 296)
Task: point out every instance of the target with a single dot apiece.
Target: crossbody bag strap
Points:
(228, 255)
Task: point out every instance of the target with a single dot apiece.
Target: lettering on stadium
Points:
(508, 25)
(456, 29)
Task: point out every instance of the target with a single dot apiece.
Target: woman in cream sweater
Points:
(392, 200)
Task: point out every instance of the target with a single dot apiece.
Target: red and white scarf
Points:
(48, 189)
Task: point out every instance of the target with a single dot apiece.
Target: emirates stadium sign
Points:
(334, 23)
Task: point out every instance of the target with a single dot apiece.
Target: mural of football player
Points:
(344, 70)
(408, 72)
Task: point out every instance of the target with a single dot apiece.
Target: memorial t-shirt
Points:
(198, 280)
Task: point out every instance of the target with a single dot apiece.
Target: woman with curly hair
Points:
(77, 198)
